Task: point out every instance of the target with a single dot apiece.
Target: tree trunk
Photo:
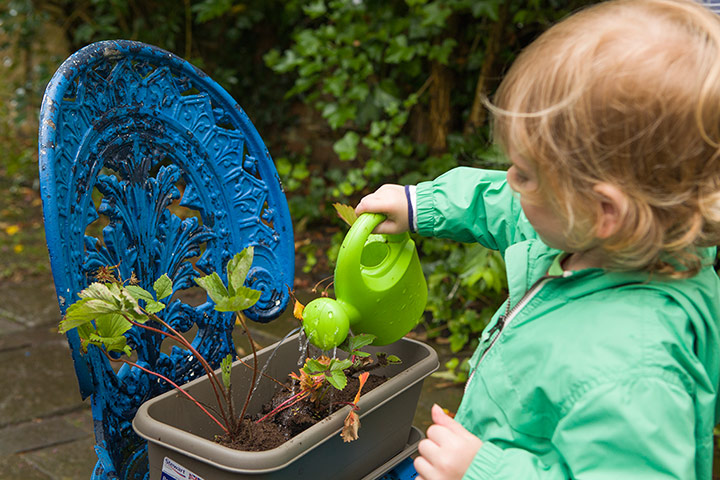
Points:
(439, 106)
(477, 116)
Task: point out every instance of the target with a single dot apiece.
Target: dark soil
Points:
(281, 427)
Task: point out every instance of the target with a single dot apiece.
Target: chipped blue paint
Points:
(129, 135)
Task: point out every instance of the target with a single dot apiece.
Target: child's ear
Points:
(613, 207)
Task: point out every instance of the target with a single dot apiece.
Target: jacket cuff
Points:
(425, 206)
(485, 463)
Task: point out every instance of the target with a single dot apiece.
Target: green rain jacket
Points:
(589, 374)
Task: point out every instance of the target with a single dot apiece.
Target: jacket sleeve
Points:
(472, 205)
(642, 429)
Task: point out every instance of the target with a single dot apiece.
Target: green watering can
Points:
(379, 285)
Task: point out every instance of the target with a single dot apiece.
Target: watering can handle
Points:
(348, 262)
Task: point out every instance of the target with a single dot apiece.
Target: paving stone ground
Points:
(46, 430)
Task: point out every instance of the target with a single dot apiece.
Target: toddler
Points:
(605, 361)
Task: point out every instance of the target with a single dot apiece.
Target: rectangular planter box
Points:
(180, 436)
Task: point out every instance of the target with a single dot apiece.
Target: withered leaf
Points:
(351, 425)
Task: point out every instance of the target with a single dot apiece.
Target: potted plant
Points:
(182, 425)
(179, 439)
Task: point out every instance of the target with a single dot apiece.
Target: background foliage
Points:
(348, 94)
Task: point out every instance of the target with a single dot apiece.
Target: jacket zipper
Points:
(510, 313)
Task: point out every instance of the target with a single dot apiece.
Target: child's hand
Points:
(391, 201)
(448, 450)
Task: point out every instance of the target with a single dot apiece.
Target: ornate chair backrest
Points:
(148, 164)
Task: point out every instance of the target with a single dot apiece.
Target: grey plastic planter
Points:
(179, 435)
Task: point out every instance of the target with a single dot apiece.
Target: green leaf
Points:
(336, 364)
(358, 341)
(214, 287)
(163, 286)
(243, 299)
(99, 291)
(346, 147)
(399, 51)
(76, 315)
(210, 9)
(226, 367)
(238, 268)
(312, 365)
(442, 52)
(153, 307)
(337, 379)
(486, 8)
(393, 359)
(315, 9)
(139, 293)
(307, 42)
(112, 325)
(111, 344)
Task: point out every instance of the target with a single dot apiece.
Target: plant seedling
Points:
(106, 311)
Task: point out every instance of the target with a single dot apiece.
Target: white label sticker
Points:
(174, 471)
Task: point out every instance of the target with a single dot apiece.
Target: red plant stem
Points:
(210, 373)
(294, 399)
(175, 385)
(186, 343)
(255, 364)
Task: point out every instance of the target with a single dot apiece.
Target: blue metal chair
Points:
(129, 136)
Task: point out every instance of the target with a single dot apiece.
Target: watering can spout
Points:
(379, 286)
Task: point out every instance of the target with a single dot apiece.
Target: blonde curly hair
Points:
(625, 92)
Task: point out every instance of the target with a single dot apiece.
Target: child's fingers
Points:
(439, 417)
(441, 456)
(428, 448)
(388, 199)
(423, 468)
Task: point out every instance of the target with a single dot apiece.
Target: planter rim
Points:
(209, 452)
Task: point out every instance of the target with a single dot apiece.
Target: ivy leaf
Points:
(315, 9)
(486, 8)
(163, 286)
(238, 268)
(399, 51)
(210, 9)
(337, 379)
(346, 213)
(346, 147)
(226, 367)
(214, 287)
